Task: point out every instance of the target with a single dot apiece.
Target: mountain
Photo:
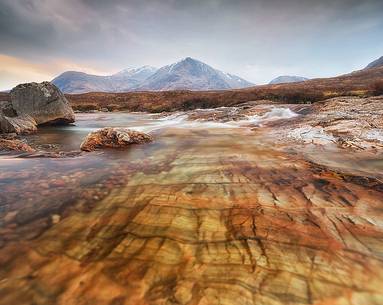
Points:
(79, 82)
(187, 74)
(125, 80)
(287, 79)
(375, 63)
(192, 74)
(133, 77)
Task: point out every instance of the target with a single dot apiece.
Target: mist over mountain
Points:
(186, 74)
(287, 79)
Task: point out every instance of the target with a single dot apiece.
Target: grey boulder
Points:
(44, 102)
(33, 104)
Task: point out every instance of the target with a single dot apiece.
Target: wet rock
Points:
(114, 138)
(23, 124)
(33, 104)
(349, 122)
(44, 102)
(51, 154)
(14, 145)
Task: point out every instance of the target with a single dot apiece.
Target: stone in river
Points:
(109, 137)
(15, 145)
(44, 102)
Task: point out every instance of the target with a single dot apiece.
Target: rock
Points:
(109, 137)
(56, 218)
(44, 102)
(22, 124)
(7, 109)
(15, 145)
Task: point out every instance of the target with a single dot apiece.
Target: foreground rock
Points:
(347, 122)
(44, 102)
(33, 104)
(14, 145)
(114, 138)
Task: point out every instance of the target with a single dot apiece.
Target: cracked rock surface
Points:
(199, 217)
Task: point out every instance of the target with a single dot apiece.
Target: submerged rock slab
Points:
(193, 222)
(109, 137)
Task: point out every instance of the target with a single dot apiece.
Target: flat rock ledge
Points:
(109, 137)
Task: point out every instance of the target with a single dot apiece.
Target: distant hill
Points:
(187, 74)
(359, 83)
(375, 63)
(192, 74)
(79, 82)
(288, 79)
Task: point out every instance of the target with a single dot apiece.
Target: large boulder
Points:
(44, 102)
(109, 137)
(33, 104)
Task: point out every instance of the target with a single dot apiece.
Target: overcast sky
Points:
(257, 40)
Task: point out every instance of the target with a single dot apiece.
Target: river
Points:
(209, 213)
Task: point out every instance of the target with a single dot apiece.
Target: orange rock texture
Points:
(211, 224)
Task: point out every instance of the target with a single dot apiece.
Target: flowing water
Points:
(209, 213)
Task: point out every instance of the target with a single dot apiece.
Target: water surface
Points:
(209, 213)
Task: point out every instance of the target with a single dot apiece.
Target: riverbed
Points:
(211, 212)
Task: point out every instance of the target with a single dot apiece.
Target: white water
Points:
(180, 120)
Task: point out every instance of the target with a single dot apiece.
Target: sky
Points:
(255, 39)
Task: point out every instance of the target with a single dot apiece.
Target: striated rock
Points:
(44, 102)
(15, 145)
(114, 138)
(193, 224)
(347, 122)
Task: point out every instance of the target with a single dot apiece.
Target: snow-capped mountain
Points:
(287, 79)
(188, 74)
(375, 63)
(132, 76)
(192, 74)
(125, 80)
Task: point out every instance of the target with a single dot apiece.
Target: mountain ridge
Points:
(376, 63)
(185, 74)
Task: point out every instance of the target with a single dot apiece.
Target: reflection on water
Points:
(208, 213)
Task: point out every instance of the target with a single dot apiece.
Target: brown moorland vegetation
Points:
(360, 83)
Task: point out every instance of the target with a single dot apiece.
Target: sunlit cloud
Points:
(15, 70)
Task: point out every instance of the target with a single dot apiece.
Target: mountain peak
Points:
(187, 74)
(375, 63)
(192, 74)
(137, 70)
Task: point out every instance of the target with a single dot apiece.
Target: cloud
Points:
(321, 37)
(14, 70)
